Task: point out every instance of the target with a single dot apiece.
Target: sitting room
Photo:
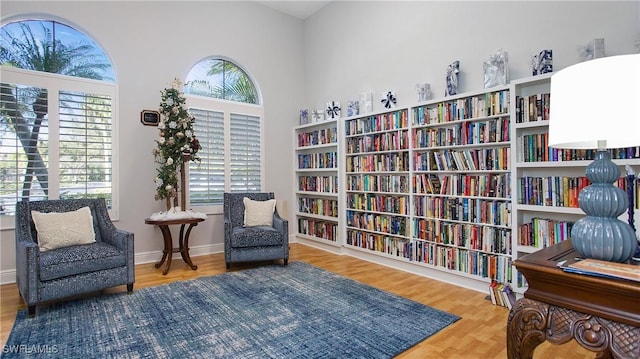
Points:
(335, 179)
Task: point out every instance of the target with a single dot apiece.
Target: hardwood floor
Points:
(479, 334)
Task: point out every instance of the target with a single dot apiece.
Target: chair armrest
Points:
(281, 225)
(27, 265)
(227, 229)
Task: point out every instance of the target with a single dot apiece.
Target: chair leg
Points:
(129, 288)
(286, 261)
(228, 265)
(32, 311)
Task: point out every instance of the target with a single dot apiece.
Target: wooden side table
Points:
(602, 315)
(183, 240)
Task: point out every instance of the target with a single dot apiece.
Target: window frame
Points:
(227, 107)
(55, 83)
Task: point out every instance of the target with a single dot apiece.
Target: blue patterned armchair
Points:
(45, 275)
(252, 243)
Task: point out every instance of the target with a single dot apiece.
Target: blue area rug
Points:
(299, 311)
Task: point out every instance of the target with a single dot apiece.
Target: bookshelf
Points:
(461, 184)
(317, 193)
(377, 183)
(546, 181)
(454, 188)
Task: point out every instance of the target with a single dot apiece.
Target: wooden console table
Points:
(183, 241)
(602, 315)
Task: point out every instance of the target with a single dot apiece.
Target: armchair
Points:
(44, 275)
(252, 243)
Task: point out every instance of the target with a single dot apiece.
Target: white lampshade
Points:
(596, 100)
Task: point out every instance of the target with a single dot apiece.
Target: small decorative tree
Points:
(177, 144)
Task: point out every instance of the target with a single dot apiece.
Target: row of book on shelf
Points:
(534, 148)
(480, 238)
(378, 183)
(319, 206)
(543, 232)
(464, 133)
(559, 191)
(318, 160)
(463, 160)
(474, 210)
(484, 265)
(318, 137)
(387, 141)
(379, 162)
(322, 184)
(488, 104)
(318, 228)
(489, 185)
(378, 203)
(533, 107)
(376, 123)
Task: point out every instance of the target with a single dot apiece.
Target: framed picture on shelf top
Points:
(150, 118)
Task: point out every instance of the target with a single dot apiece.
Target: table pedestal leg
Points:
(184, 245)
(167, 252)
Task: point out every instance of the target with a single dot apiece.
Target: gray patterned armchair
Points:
(252, 243)
(44, 275)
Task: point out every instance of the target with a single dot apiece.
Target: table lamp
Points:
(594, 105)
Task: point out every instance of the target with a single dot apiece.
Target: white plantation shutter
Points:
(206, 179)
(85, 161)
(16, 140)
(73, 154)
(246, 150)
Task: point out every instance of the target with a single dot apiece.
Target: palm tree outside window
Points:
(68, 153)
(226, 104)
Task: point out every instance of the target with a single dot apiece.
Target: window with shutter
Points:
(57, 100)
(228, 124)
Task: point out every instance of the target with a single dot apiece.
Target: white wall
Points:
(150, 43)
(355, 46)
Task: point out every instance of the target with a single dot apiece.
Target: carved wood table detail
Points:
(602, 315)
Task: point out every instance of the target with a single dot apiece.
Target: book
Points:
(603, 269)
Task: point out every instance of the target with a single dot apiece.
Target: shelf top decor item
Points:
(542, 63)
(592, 108)
(317, 115)
(177, 142)
(452, 78)
(389, 99)
(333, 109)
(496, 69)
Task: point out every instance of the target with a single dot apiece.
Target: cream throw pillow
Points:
(258, 213)
(57, 230)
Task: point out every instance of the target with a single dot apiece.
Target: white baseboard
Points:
(9, 276)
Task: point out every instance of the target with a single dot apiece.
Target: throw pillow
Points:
(57, 230)
(258, 213)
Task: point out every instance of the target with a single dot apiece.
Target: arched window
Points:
(224, 100)
(221, 79)
(67, 152)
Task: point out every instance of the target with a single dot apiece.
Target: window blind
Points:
(24, 145)
(207, 178)
(246, 150)
(85, 161)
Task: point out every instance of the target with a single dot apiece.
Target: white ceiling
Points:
(299, 9)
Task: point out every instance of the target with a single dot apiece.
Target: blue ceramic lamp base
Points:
(601, 235)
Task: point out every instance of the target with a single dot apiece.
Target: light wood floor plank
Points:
(481, 333)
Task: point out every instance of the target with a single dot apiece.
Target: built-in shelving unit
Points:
(546, 181)
(461, 150)
(455, 188)
(317, 180)
(377, 183)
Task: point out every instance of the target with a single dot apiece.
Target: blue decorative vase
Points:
(601, 235)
